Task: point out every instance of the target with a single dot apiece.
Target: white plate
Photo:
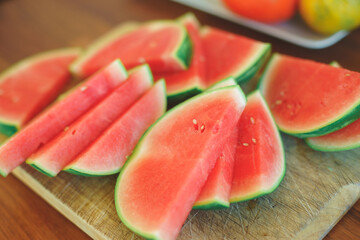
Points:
(293, 31)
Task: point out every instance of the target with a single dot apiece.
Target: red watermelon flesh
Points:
(28, 86)
(55, 155)
(230, 55)
(109, 152)
(216, 191)
(308, 98)
(161, 180)
(183, 82)
(259, 159)
(164, 45)
(344, 139)
(51, 122)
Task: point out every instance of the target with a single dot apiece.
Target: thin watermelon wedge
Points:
(216, 191)
(259, 159)
(109, 152)
(304, 95)
(57, 117)
(181, 85)
(343, 139)
(164, 45)
(30, 85)
(230, 55)
(161, 180)
(59, 152)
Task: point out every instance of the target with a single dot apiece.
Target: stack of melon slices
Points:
(214, 149)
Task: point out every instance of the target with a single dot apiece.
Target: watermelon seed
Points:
(278, 102)
(195, 124)
(83, 88)
(202, 129)
(15, 99)
(245, 144)
(282, 93)
(66, 128)
(253, 140)
(231, 37)
(252, 120)
(142, 60)
(348, 75)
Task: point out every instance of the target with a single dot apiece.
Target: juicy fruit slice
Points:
(344, 139)
(309, 99)
(108, 153)
(55, 119)
(31, 84)
(259, 159)
(230, 55)
(54, 156)
(161, 180)
(164, 45)
(184, 84)
(216, 191)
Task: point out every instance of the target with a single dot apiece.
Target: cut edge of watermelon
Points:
(230, 81)
(75, 67)
(114, 68)
(264, 191)
(332, 125)
(137, 149)
(81, 172)
(9, 127)
(214, 204)
(36, 58)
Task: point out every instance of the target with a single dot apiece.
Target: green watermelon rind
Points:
(137, 150)
(337, 123)
(324, 148)
(42, 169)
(250, 72)
(9, 127)
(87, 173)
(276, 184)
(2, 173)
(215, 204)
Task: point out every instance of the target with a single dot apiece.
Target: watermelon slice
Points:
(216, 191)
(31, 84)
(161, 180)
(346, 138)
(55, 155)
(164, 45)
(184, 84)
(109, 152)
(230, 55)
(304, 96)
(55, 119)
(259, 160)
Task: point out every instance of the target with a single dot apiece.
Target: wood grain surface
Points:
(316, 192)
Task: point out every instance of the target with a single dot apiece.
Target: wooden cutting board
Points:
(316, 192)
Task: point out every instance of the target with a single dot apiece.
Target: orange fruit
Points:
(267, 11)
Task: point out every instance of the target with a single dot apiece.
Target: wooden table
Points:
(28, 27)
